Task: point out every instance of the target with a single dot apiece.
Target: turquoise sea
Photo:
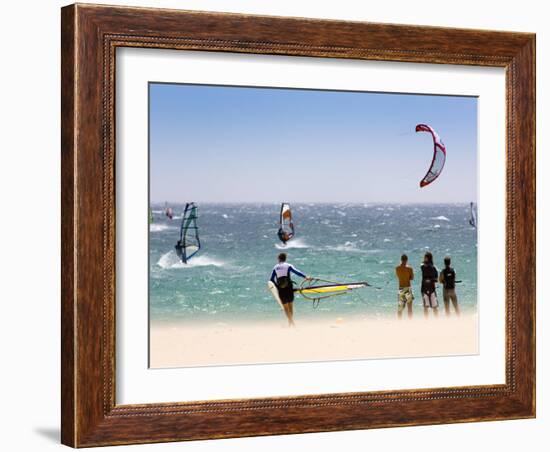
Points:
(226, 280)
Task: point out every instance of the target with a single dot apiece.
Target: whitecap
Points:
(347, 247)
(158, 227)
(171, 260)
(294, 243)
(441, 218)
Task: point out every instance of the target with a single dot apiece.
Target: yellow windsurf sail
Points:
(315, 291)
(329, 288)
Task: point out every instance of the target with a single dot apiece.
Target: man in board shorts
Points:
(280, 276)
(405, 295)
(447, 277)
(429, 278)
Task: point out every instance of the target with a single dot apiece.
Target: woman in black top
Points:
(429, 278)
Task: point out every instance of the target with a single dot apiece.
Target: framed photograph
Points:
(281, 225)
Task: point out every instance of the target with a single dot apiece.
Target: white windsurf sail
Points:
(286, 225)
(473, 215)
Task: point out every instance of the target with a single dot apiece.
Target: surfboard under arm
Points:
(275, 292)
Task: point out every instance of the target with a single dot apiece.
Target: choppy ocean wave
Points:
(171, 260)
(160, 227)
(295, 243)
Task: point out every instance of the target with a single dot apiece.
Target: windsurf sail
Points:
(286, 226)
(151, 218)
(439, 156)
(318, 289)
(473, 215)
(189, 243)
(168, 211)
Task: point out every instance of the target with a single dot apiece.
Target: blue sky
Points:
(244, 144)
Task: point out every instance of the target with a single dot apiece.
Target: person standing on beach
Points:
(405, 295)
(429, 278)
(447, 277)
(280, 276)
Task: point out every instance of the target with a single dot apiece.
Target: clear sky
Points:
(245, 144)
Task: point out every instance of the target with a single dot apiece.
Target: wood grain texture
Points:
(68, 147)
(90, 36)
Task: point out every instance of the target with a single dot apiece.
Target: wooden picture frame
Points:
(90, 36)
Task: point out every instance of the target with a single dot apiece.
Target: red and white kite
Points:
(438, 160)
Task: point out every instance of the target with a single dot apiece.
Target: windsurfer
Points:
(285, 236)
(280, 276)
(286, 226)
(189, 243)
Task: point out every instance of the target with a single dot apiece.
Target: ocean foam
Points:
(171, 260)
(441, 218)
(156, 227)
(294, 243)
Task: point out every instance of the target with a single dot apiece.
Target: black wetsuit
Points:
(429, 278)
(449, 277)
(282, 235)
(280, 276)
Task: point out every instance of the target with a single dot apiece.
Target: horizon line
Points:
(314, 202)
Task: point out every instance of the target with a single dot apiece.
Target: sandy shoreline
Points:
(183, 345)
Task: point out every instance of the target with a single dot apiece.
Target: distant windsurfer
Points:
(169, 212)
(189, 242)
(286, 226)
(473, 216)
(447, 277)
(429, 278)
(281, 277)
(405, 295)
(285, 236)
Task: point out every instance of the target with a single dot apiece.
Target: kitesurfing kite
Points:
(286, 226)
(168, 212)
(318, 289)
(473, 216)
(189, 243)
(438, 159)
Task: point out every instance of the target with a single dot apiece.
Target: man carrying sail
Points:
(280, 276)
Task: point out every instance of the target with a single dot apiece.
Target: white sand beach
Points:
(184, 345)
